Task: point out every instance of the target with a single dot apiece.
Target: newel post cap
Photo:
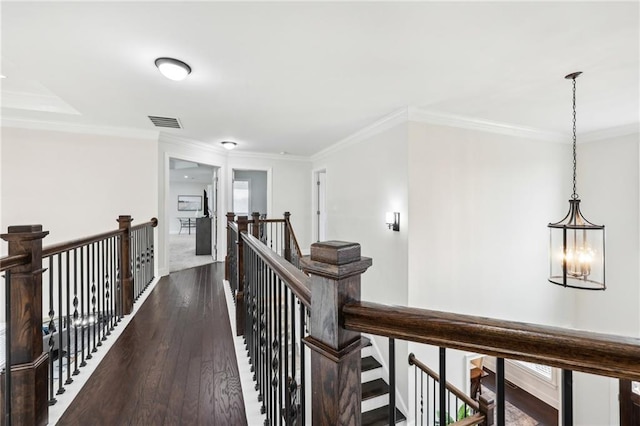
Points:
(336, 260)
(24, 233)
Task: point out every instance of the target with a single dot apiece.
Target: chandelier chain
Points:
(574, 196)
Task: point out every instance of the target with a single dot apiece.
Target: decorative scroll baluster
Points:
(303, 375)
(93, 320)
(61, 389)
(76, 320)
(51, 329)
(107, 308)
(67, 317)
(84, 256)
(99, 291)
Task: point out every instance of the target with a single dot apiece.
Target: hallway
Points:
(174, 364)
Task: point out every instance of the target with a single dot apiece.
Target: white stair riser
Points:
(368, 376)
(373, 403)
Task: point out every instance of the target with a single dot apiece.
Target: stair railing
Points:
(461, 408)
(86, 288)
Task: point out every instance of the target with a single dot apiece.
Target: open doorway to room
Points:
(192, 209)
(249, 192)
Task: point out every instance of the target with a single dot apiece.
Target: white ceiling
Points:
(181, 171)
(300, 76)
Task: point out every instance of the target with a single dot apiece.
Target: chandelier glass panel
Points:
(576, 246)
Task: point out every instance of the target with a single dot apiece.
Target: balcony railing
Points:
(330, 297)
(62, 303)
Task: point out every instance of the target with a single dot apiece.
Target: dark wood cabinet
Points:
(203, 235)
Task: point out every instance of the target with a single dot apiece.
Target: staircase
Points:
(375, 392)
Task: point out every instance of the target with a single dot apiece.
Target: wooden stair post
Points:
(255, 229)
(487, 407)
(243, 225)
(335, 268)
(125, 265)
(287, 236)
(29, 364)
(227, 273)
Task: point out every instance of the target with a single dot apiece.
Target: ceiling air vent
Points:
(170, 122)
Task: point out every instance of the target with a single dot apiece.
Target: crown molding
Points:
(262, 155)
(397, 117)
(610, 133)
(470, 123)
(79, 128)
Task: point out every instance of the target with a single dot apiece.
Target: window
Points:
(241, 197)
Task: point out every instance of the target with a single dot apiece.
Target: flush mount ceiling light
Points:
(229, 145)
(173, 69)
(576, 246)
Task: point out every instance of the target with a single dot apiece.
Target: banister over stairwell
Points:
(331, 296)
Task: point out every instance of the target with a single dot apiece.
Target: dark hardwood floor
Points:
(543, 413)
(174, 364)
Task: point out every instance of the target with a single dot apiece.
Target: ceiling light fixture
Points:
(173, 69)
(3, 76)
(576, 246)
(229, 145)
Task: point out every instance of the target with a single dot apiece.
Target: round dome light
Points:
(229, 145)
(173, 69)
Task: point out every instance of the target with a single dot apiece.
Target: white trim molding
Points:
(610, 133)
(471, 123)
(124, 132)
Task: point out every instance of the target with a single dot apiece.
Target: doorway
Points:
(192, 213)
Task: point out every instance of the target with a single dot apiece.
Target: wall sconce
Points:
(393, 220)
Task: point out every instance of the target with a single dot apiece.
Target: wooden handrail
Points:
(233, 226)
(588, 352)
(435, 376)
(70, 245)
(73, 244)
(476, 419)
(153, 222)
(9, 262)
(297, 281)
(295, 240)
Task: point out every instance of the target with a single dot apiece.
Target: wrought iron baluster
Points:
(278, 342)
(92, 318)
(500, 419)
(107, 283)
(76, 320)
(60, 328)
(303, 317)
(67, 316)
(84, 256)
(567, 398)
(392, 382)
(100, 291)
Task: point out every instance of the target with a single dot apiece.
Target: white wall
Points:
(364, 181)
(76, 185)
(608, 185)
(480, 204)
(183, 188)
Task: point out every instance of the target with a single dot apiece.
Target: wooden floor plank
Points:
(174, 363)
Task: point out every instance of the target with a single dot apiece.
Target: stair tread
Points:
(369, 363)
(374, 388)
(380, 417)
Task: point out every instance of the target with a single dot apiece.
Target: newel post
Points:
(487, 407)
(125, 264)
(287, 236)
(29, 364)
(243, 223)
(255, 229)
(227, 273)
(335, 268)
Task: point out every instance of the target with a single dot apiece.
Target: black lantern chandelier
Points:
(576, 246)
